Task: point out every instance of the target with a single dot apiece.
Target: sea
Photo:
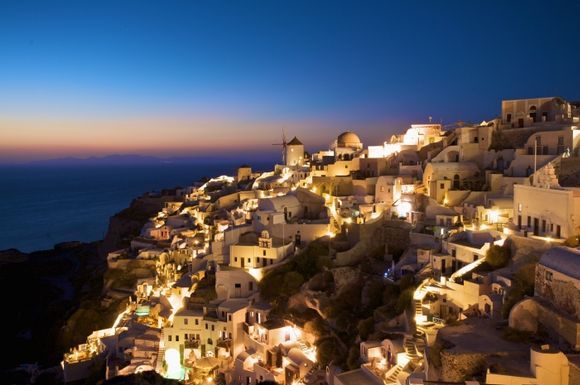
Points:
(42, 205)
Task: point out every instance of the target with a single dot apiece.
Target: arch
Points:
(456, 182)
(452, 156)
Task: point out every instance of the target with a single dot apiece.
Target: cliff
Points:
(54, 296)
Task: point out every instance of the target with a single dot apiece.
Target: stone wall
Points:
(528, 313)
(562, 291)
(371, 236)
(457, 367)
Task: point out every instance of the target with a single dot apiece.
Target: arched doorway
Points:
(456, 182)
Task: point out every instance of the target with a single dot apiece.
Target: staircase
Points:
(418, 307)
(160, 354)
(391, 376)
(420, 342)
(410, 348)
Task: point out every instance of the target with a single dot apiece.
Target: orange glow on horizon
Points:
(42, 138)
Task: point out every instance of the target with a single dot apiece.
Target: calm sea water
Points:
(44, 205)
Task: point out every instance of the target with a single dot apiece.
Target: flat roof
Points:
(358, 377)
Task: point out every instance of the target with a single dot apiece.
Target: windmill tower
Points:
(283, 144)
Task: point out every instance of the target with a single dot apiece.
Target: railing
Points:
(224, 342)
(191, 344)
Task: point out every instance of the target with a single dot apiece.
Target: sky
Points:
(187, 78)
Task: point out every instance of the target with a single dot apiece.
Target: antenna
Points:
(283, 144)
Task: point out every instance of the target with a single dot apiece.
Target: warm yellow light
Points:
(330, 234)
(348, 220)
(256, 273)
(403, 209)
(493, 216)
(173, 361)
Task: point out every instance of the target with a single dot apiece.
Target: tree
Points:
(292, 282)
(404, 300)
(523, 285)
(366, 327)
(498, 256)
(353, 359)
(325, 351)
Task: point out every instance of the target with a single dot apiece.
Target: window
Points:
(251, 286)
(223, 314)
(549, 276)
(169, 338)
(508, 118)
(249, 260)
(206, 327)
(212, 328)
(442, 186)
(229, 317)
(263, 253)
(235, 259)
(196, 321)
(560, 148)
(258, 259)
(185, 336)
(209, 341)
(185, 321)
(475, 258)
(238, 285)
(177, 338)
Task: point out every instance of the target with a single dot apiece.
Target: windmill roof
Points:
(294, 142)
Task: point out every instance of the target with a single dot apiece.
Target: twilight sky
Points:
(174, 78)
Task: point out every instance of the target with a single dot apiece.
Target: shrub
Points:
(404, 300)
(374, 294)
(366, 327)
(406, 282)
(523, 285)
(325, 351)
(353, 359)
(292, 282)
(498, 256)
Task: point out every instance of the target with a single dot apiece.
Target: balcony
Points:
(225, 343)
(191, 344)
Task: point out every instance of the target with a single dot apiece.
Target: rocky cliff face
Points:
(42, 289)
(54, 296)
(127, 224)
